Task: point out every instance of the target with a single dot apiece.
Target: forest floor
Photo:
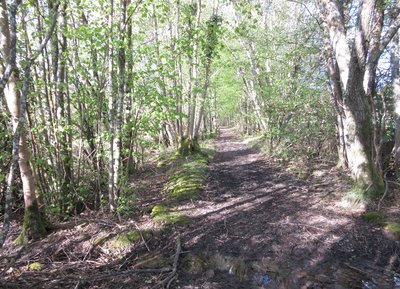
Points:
(254, 226)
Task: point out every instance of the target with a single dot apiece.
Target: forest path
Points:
(259, 227)
(254, 226)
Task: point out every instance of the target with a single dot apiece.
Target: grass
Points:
(355, 199)
(374, 217)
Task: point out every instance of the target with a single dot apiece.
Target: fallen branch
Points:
(166, 283)
(141, 236)
(300, 225)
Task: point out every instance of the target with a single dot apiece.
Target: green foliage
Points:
(213, 33)
(271, 62)
(126, 204)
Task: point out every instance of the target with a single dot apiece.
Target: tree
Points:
(33, 227)
(357, 59)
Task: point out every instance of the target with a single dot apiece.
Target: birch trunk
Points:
(395, 58)
(112, 190)
(194, 73)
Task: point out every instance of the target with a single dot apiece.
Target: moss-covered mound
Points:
(126, 239)
(188, 176)
(166, 215)
(394, 229)
(188, 179)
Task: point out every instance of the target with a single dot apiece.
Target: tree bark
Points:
(357, 61)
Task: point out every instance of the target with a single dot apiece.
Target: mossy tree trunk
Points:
(32, 226)
(188, 146)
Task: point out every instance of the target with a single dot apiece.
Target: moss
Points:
(393, 228)
(165, 215)
(159, 210)
(187, 182)
(374, 217)
(125, 240)
(35, 266)
(188, 147)
(186, 193)
(33, 228)
(166, 158)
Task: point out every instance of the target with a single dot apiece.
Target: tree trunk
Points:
(395, 58)
(112, 189)
(356, 62)
(32, 226)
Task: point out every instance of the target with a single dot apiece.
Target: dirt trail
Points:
(255, 226)
(258, 227)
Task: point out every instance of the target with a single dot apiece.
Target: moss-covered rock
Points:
(159, 210)
(394, 229)
(35, 266)
(125, 240)
(166, 158)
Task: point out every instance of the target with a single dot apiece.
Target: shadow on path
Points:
(256, 215)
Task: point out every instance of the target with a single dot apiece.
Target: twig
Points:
(355, 268)
(141, 236)
(394, 183)
(385, 193)
(300, 225)
(166, 283)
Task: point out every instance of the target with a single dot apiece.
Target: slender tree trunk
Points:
(194, 73)
(32, 227)
(63, 119)
(203, 98)
(252, 95)
(8, 47)
(395, 59)
(112, 189)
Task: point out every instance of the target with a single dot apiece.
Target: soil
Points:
(255, 226)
